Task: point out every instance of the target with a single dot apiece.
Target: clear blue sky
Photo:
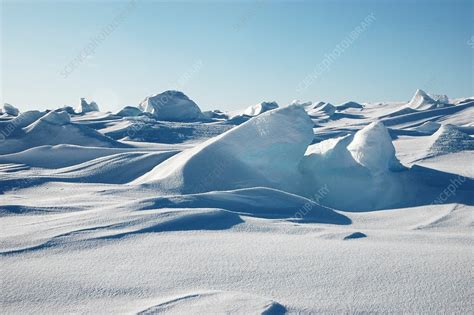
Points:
(229, 55)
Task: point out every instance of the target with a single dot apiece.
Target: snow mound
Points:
(56, 118)
(88, 107)
(67, 109)
(372, 148)
(56, 128)
(328, 154)
(318, 110)
(215, 114)
(260, 108)
(129, 111)
(216, 302)
(300, 103)
(264, 151)
(350, 104)
(422, 101)
(26, 118)
(449, 139)
(257, 202)
(10, 109)
(440, 98)
(171, 106)
(428, 127)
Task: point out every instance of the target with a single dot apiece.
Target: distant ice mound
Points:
(326, 109)
(260, 108)
(10, 109)
(428, 127)
(52, 129)
(350, 104)
(440, 98)
(171, 106)
(264, 151)
(129, 111)
(88, 107)
(26, 118)
(449, 139)
(68, 109)
(215, 114)
(372, 148)
(300, 103)
(422, 101)
(56, 118)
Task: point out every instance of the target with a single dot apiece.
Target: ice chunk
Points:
(10, 109)
(372, 148)
(171, 106)
(88, 107)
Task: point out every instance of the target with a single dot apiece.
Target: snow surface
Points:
(304, 209)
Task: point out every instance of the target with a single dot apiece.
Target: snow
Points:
(263, 151)
(422, 101)
(10, 109)
(171, 106)
(129, 111)
(350, 104)
(86, 107)
(372, 148)
(346, 210)
(260, 108)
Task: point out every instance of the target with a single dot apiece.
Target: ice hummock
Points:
(372, 148)
(86, 107)
(10, 109)
(264, 151)
(171, 106)
(260, 108)
(423, 101)
(449, 139)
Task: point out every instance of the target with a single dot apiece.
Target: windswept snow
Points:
(264, 151)
(265, 210)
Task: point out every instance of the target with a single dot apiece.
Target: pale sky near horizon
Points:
(229, 55)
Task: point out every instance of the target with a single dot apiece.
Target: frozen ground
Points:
(308, 208)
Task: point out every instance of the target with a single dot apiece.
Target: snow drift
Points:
(171, 106)
(10, 109)
(264, 151)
